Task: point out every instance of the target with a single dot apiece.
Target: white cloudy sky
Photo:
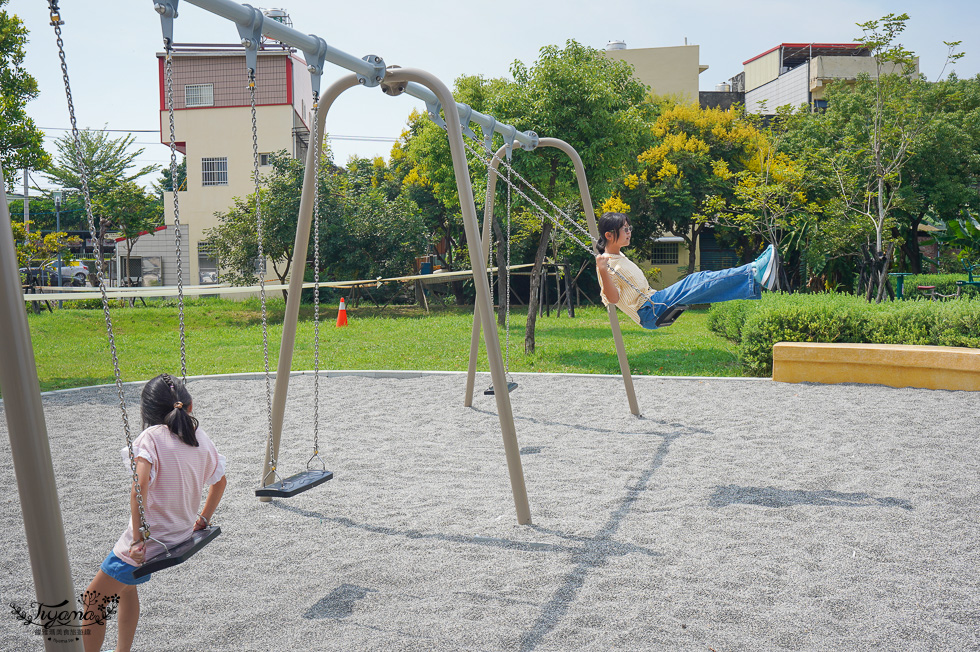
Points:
(111, 46)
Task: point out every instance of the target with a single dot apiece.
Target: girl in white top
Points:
(625, 285)
(174, 460)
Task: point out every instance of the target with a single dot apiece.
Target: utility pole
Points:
(27, 211)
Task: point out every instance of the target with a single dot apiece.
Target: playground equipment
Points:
(586, 239)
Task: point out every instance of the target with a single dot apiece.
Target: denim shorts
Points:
(120, 571)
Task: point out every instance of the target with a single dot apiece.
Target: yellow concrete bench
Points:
(895, 365)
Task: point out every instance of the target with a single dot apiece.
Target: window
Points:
(664, 253)
(214, 171)
(265, 159)
(207, 263)
(199, 95)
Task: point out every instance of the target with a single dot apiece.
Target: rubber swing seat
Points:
(295, 484)
(180, 553)
(511, 386)
(670, 316)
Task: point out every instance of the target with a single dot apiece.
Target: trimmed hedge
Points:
(777, 317)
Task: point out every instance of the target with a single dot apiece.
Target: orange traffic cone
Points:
(342, 314)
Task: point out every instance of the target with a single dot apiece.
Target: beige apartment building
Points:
(213, 126)
(799, 73)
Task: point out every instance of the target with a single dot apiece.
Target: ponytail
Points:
(165, 401)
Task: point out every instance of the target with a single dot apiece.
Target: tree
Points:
(21, 142)
(367, 229)
(165, 184)
(879, 125)
(106, 161)
(234, 241)
(770, 201)
(37, 250)
(689, 175)
(126, 207)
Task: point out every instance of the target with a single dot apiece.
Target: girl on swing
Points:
(624, 284)
(174, 461)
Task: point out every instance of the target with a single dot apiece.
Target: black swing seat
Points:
(511, 386)
(180, 553)
(670, 315)
(295, 484)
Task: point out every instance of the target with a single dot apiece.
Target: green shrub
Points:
(758, 325)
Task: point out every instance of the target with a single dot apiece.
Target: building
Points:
(670, 71)
(799, 73)
(213, 126)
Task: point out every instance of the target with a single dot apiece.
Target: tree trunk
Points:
(883, 275)
(532, 306)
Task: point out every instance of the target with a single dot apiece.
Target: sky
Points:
(111, 51)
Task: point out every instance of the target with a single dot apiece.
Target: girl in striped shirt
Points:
(624, 284)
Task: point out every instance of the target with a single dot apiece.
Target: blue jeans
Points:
(701, 287)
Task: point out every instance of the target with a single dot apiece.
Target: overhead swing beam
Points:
(583, 184)
(370, 69)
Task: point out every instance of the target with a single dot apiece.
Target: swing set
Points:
(18, 375)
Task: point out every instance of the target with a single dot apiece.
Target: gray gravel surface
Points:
(734, 515)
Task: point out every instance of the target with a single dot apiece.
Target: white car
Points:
(48, 275)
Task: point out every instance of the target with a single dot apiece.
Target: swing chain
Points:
(507, 299)
(173, 180)
(315, 144)
(261, 259)
(100, 257)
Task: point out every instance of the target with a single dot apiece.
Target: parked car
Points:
(49, 275)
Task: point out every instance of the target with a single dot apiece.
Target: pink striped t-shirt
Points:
(172, 497)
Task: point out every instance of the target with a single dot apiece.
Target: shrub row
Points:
(758, 325)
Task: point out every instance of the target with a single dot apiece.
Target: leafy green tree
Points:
(878, 126)
(165, 184)
(128, 209)
(21, 142)
(367, 228)
(941, 176)
(107, 161)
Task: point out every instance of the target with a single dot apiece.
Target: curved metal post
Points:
(485, 310)
(494, 164)
(291, 318)
(29, 446)
(583, 185)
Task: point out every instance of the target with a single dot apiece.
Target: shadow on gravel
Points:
(775, 497)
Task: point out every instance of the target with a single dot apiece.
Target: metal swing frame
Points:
(583, 185)
(371, 71)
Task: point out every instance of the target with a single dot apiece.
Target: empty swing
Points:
(172, 555)
(311, 477)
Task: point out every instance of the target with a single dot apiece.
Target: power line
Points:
(367, 139)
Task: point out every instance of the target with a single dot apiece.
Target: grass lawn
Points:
(225, 337)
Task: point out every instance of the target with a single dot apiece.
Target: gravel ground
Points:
(736, 514)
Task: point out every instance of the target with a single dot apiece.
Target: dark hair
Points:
(166, 401)
(610, 222)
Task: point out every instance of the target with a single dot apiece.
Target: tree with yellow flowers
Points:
(689, 176)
